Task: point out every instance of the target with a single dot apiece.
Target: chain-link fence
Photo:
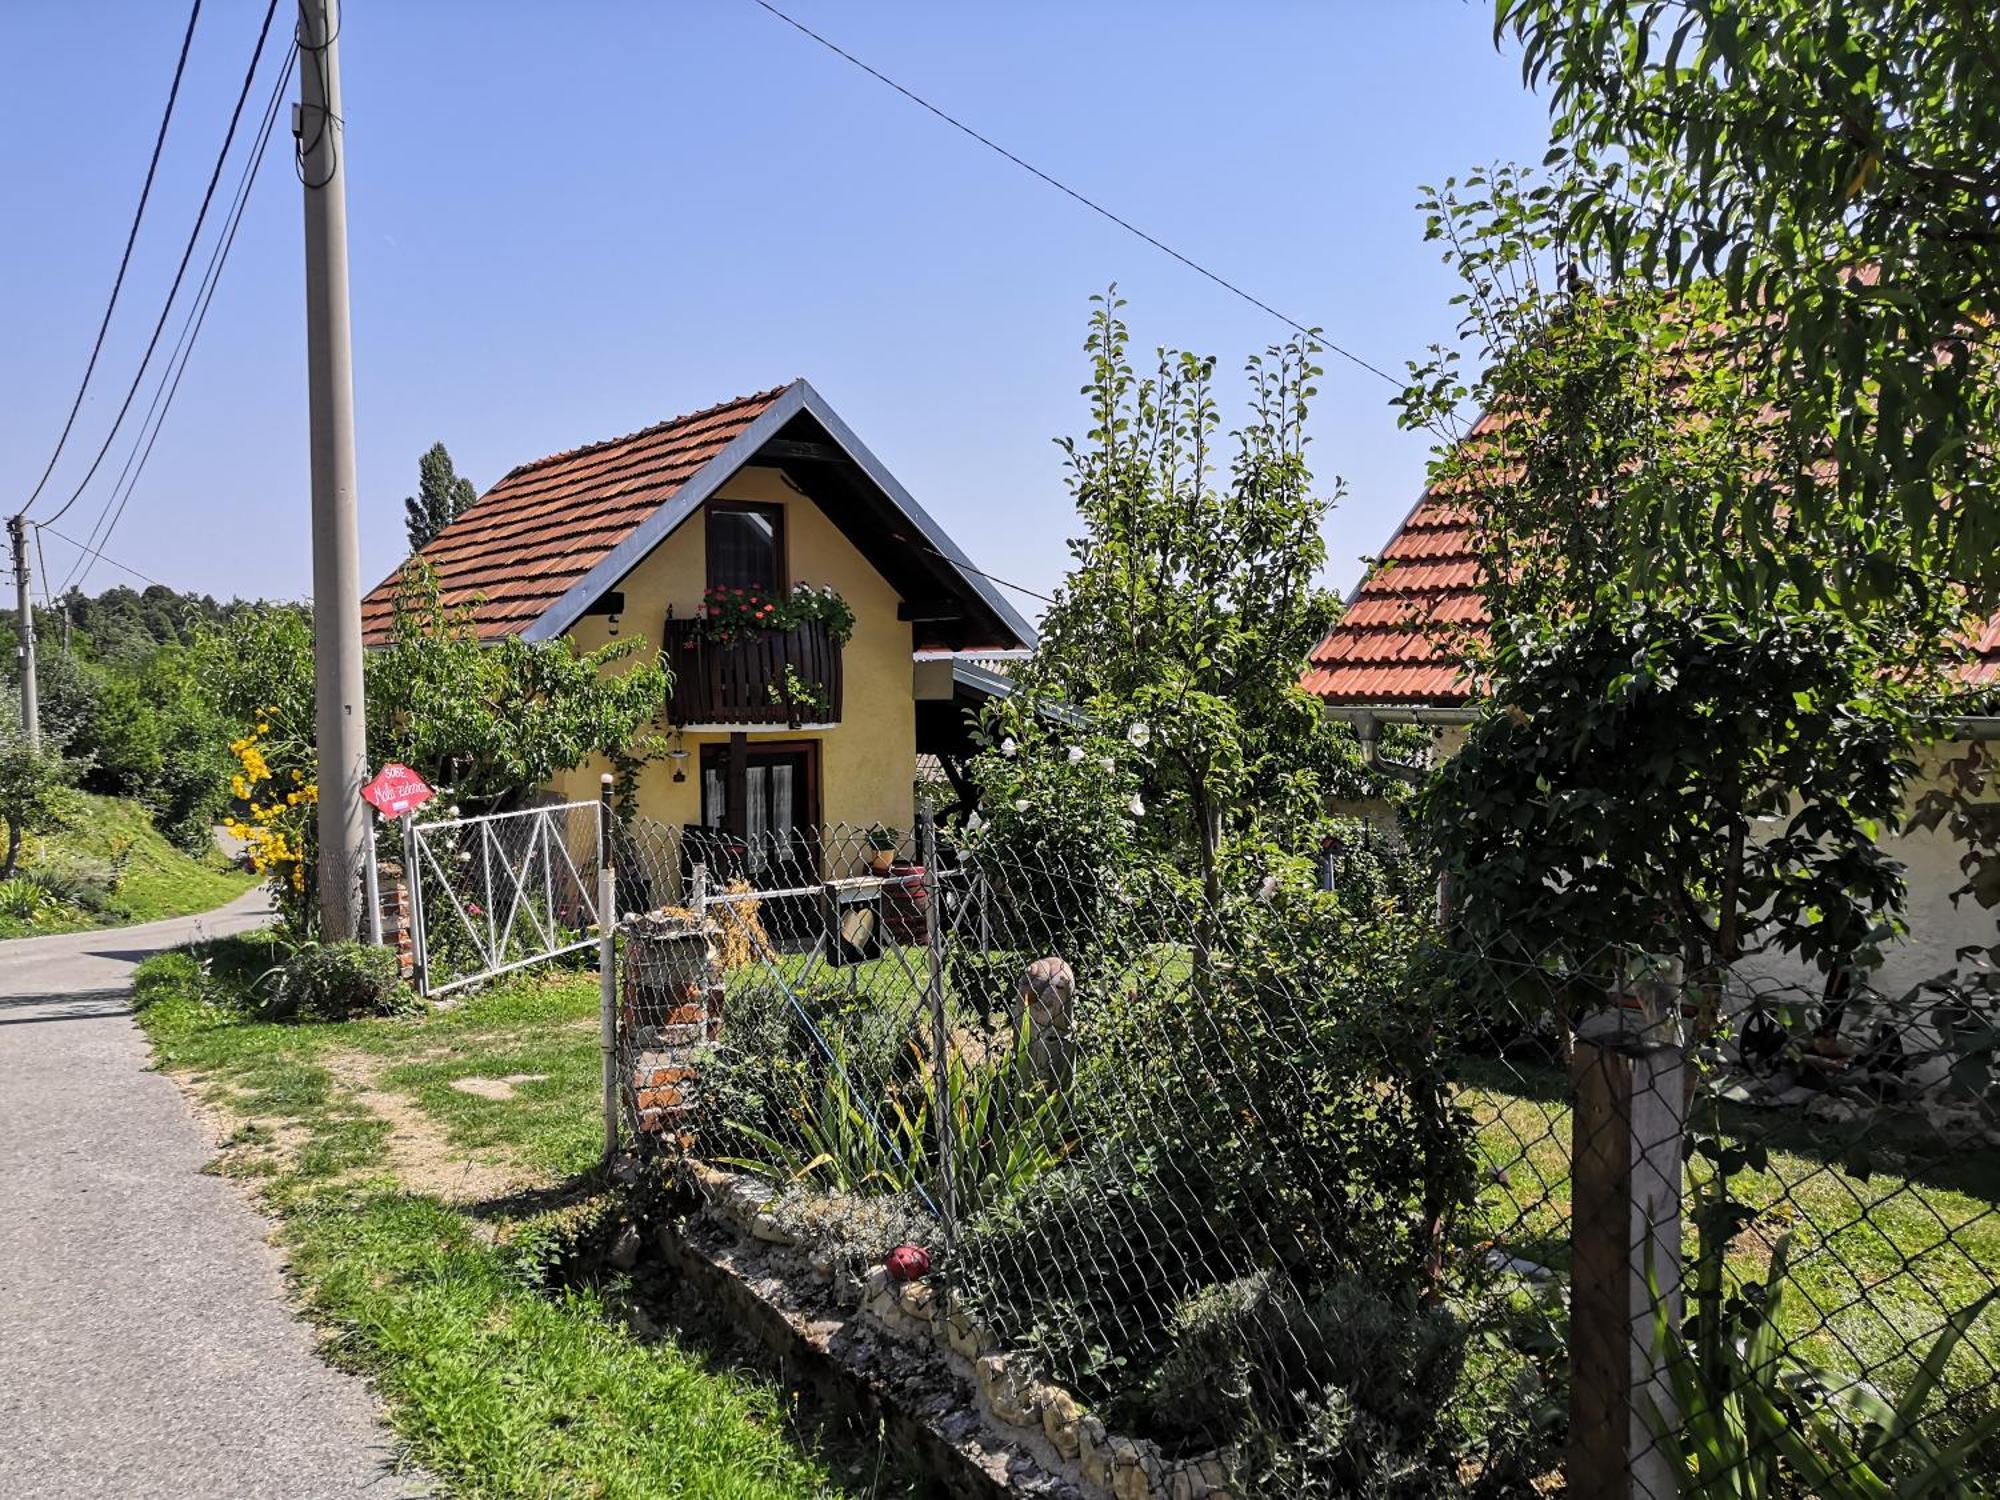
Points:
(1290, 1197)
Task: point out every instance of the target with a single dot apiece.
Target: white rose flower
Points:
(1076, 755)
(1137, 806)
(1008, 747)
(1140, 734)
(1021, 806)
(1268, 890)
(974, 823)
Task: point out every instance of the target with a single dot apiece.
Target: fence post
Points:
(371, 884)
(413, 875)
(940, 1038)
(607, 966)
(1630, 1073)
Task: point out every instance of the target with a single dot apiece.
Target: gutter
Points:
(1970, 727)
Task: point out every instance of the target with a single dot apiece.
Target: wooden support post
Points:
(607, 968)
(1630, 1075)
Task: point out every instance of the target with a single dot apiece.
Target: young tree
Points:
(1188, 614)
(442, 497)
(496, 720)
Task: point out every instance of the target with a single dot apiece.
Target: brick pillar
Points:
(396, 926)
(671, 1007)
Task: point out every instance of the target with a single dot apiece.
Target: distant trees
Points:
(442, 496)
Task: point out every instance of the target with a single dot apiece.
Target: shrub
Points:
(336, 981)
(77, 880)
(21, 899)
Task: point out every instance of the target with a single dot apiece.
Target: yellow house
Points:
(776, 733)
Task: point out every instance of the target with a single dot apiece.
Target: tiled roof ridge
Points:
(682, 420)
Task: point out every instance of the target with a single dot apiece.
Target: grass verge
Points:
(421, 1222)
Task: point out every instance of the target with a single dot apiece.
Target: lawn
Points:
(1878, 1262)
(112, 868)
(420, 1217)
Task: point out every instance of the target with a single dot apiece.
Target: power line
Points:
(94, 552)
(183, 351)
(966, 567)
(124, 261)
(1095, 207)
(194, 236)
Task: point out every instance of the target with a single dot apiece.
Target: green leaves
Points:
(1192, 605)
(1612, 801)
(490, 719)
(1834, 167)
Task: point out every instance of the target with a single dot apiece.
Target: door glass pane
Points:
(781, 797)
(758, 830)
(714, 797)
(743, 549)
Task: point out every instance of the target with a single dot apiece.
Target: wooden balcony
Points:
(744, 683)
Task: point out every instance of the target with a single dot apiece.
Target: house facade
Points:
(774, 734)
(1391, 660)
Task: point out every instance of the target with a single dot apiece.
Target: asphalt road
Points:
(146, 1344)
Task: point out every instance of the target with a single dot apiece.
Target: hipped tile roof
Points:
(1393, 645)
(527, 541)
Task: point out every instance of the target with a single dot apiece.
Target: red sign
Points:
(397, 790)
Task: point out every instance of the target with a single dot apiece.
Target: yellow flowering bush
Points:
(276, 821)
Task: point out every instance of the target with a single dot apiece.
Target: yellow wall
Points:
(868, 764)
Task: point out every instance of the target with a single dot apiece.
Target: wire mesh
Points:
(1288, 1184)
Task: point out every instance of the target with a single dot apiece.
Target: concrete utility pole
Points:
(24, 627)
(340, 716)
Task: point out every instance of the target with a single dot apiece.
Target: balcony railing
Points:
(770, 677)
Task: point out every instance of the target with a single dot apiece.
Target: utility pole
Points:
(340, 717)
(24, 628)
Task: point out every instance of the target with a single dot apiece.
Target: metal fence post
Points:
(607, 967)
(371, 884)
(413, 877)
(940, 1032)
(1630, 1119)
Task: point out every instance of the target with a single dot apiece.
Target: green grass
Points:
(158, 880)
(498, 1381)
(1878, 1263)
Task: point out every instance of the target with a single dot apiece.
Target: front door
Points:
(765, 798)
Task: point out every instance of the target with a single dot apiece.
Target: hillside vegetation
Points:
(110, 867)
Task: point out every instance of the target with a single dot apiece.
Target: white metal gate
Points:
(501, 891)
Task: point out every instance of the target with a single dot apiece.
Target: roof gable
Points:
(532, 555)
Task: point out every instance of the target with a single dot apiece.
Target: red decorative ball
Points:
(908, 1262)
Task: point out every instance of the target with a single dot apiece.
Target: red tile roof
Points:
(535, 534)
(1393, 646)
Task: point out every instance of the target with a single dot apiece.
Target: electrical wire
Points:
(207, 197)
(303, 148)
(124, 260)
(966, 567)
(122, 567)
(183, 351)
(1097, 208)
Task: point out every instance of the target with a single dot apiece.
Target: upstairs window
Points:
(746, 546)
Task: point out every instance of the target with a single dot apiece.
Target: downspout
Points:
(1368, 729)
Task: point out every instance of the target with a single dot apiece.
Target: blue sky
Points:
(569, 221)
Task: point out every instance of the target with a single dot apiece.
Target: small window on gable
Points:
(746, 546)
